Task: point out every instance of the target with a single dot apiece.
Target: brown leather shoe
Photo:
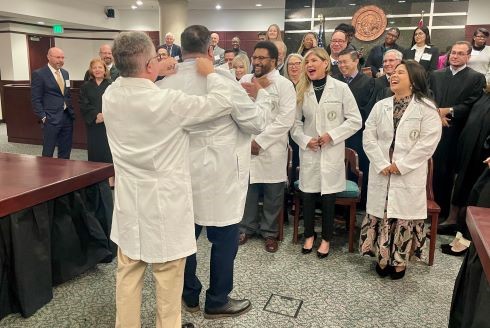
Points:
(243, 238)
(271, 244)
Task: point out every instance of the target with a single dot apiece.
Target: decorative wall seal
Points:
(370, 23)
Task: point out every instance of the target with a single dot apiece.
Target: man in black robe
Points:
(391, 59)
(362, 87)
(455, 89)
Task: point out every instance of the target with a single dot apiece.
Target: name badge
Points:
(217, 57)
(331, 115)
(414, 135)
(67, 83)
(426, 56)
(177, 58)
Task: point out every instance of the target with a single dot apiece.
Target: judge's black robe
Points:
(90, 105)
(460, 92)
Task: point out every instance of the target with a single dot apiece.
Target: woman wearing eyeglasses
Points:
(422, 51)
(293, 68)
(91, 109)
(480, 53)
(330, 117)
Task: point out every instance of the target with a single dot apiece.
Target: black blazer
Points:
(430, 64)
(174, 51)
(47, 99)
(114, 72)
(382, 88)
(362, 87)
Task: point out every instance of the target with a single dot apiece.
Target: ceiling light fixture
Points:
(307, 6)
(134, 7)
(218, 7)
(139, 3)
(258, 5)
(401, 1)
(352, 4)
(41, 23)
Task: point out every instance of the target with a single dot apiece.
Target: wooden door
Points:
(38, 49)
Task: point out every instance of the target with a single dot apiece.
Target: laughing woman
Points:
(330, 117)
(401, 134)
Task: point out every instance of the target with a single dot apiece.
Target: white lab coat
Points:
(270, 166)
(220, 149)
(153, 220)
(417, 136)
(337, 113)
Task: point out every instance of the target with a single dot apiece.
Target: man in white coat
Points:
(153, 220)
(269, 150)
(220, 161)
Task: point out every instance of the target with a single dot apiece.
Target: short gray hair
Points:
(398, 54)
(131, 52)
(286, 62)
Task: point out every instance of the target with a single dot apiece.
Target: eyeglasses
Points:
(259, 58)
(158, 57)
(294, 64)
(392, 35)
(337, 41)
(481, 36)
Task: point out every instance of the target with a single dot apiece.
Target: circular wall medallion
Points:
(370, 23)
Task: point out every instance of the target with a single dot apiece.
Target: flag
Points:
(320, 36)
(421, 21)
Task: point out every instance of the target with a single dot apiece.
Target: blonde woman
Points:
(273, 33)
(241, 65)
(330, 117)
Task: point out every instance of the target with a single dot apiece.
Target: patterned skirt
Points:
(391, 240)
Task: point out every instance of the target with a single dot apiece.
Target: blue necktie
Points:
(348, 79)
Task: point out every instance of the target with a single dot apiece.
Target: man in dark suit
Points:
(173, 50)
(105, 53)
(362, 87)
(375, 58)
(455, 90)
(51, 102)
(391, 59)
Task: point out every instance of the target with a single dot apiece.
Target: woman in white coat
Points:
(401, 134)
(330, 116)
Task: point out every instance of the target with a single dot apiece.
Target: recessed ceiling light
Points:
(392, 22)
(41, 23)
(218, 7)
(134, 7)
(352, 4)
(307, 6)
(258, 5)
(139, 3)
(401, 1)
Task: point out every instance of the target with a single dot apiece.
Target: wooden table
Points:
(55, 220)
(478, 221)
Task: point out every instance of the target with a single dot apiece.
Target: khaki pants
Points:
(169, 280)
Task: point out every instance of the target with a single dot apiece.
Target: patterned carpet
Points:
(287, 289)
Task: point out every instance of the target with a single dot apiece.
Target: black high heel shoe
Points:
(322, 255)
(397, 275)
(309, 250)
(383, 272)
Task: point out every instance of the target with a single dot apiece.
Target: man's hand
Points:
(99, 119)
(263, 81)
(443, 112)
(324, 139)
(251, 89)
(313, 144)
(255, 148)
(204, 66)
(167, 67)
(487, 161)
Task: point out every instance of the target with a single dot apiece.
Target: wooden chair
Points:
(288, 187)
(433, 211)
(345, 198)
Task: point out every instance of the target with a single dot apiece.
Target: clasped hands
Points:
(443, 112)
(392, 169)
(317, 142)
(253, 87)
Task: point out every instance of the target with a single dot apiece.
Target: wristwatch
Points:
(451, 111)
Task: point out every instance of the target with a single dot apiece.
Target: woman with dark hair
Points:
(330, 117)
(480, 53)
(309, 42)
(422, 50)
(400, 136)
(91, 108)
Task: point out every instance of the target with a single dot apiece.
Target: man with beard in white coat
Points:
(269, 150)
(153, 214)
(220, 161)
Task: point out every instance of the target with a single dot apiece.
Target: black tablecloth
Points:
(51, 243)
